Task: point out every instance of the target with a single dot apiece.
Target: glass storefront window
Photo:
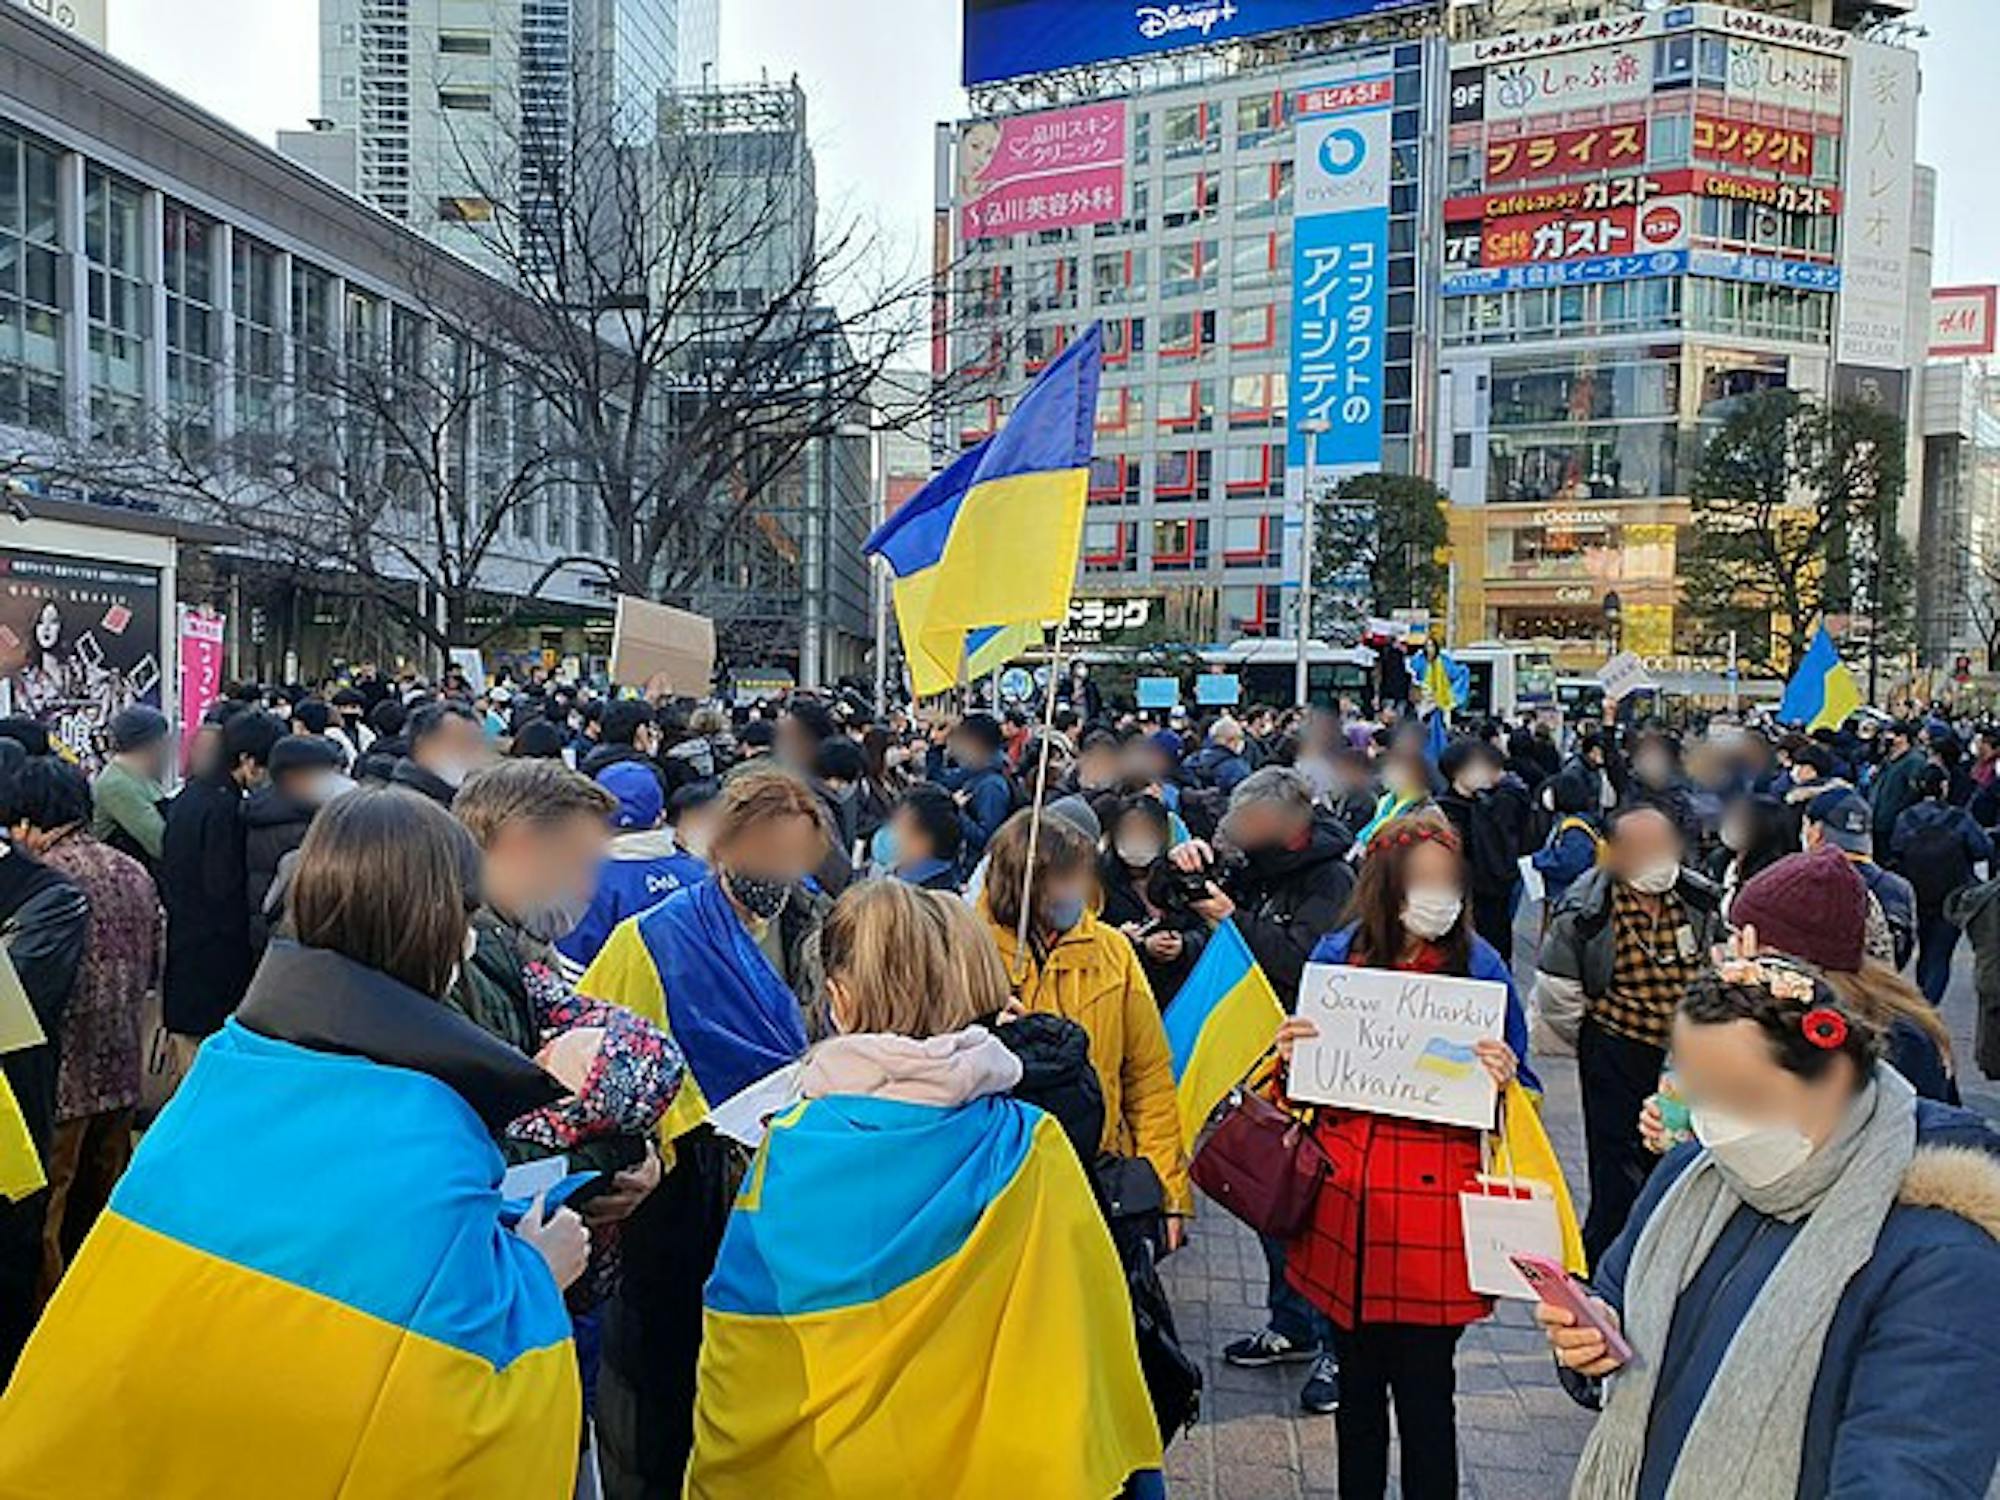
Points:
(1575, 462)
(31, 317)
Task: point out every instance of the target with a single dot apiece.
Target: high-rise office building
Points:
(698, 43)
(441, 110)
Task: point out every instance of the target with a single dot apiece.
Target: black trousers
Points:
(1618, 1075)
(652, 1327)
(1493, 919)
(1411, 1364)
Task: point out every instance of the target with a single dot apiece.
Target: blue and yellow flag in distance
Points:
(1823, 692)
(918, 1300)
(301, 1287)
(993, 541)
(1221, 1022)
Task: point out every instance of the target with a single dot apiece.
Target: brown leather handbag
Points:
(1262, 1165)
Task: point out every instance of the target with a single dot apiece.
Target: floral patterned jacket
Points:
(122, 962)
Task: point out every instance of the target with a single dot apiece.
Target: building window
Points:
(1189, 130)
(1189, 197)
(187, 265)
(260, 352)
(313, 330)
(1260, 119)
(1180, 545)
(1252, 542)
(465, 43)
(115, 258)
(1183, 475)
(1255, 471)
(1251, 610)
(31, 320)
(1110, 546)
(1256, 401)
(1114, 479)
(464, 209)
(471, 101)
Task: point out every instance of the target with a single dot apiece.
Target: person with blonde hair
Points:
(985, 1346)
(1075, 966)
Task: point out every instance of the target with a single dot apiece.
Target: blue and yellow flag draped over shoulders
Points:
(990, 545)
(917, 1301)
(1224, 1019)
(301, 1287)
(689, 967)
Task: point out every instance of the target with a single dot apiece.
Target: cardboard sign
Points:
(1159, 692)
(1624, 675)
(1392, 1043)
(662, 651)
(1218, 690)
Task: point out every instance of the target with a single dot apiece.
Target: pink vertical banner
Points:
(1054, 170)
(201, 668)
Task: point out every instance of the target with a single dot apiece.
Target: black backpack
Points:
(1935, 863)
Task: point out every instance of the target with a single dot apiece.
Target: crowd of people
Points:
(453, 989)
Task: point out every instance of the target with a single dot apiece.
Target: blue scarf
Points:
(733, 1016)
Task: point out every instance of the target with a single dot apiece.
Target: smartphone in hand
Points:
(1555, 1286)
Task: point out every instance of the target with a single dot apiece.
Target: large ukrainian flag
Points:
(917, 1301)
(993, 541)
(1224, 1019)
(1823, 692)
(301, 1287)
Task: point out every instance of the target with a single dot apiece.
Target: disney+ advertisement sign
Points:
(1009, 38)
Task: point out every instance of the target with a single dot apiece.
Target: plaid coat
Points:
(1386, 1243)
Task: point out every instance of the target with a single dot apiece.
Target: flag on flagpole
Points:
(1221, 1022)
(1823, 692)
(992, 542)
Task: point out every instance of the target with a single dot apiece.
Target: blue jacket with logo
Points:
(642, 870)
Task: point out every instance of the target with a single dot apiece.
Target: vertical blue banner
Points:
(1340, 270)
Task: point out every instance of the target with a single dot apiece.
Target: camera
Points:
(1172, 889)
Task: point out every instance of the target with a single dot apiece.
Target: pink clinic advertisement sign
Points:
(1055, 170)
(201, 668)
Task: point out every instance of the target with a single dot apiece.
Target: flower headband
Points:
(1822, 1025)
(1404, 838)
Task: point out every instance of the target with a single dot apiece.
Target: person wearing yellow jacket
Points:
(1079, 968)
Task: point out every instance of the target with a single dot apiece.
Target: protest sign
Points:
(470, 663)
(662, 651)
(1624, 675)
(1218, 690)
(1159, 692)
(1394, 1043)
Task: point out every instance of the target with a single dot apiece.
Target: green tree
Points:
(1795, 519)
(1375, 549)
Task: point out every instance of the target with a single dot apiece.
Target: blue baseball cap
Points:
(640, 801)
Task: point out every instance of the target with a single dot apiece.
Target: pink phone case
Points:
(1555, 1286)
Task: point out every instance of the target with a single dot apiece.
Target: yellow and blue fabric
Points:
(914, 1300)
(993, 541)
(20, 1164)
(1221, 1022)
(988, 650)
(690, 967)
(301, 1287)
(1823, 692)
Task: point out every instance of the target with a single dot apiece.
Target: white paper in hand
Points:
(1394, 1043)
(742, 1116)
(529, 1180)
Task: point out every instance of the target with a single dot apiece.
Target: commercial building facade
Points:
(160, 272)
(1595, 238)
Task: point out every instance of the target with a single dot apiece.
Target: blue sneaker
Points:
(1322, 1388)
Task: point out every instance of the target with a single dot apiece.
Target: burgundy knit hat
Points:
(1810, 906)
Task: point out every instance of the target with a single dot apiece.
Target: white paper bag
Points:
(1531, 880)
(1507, 1216)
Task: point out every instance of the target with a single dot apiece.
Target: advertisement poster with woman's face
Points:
(79, 642)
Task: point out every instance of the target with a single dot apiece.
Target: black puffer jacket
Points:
(1056, 1076)
(273, 826)
(1288, 899)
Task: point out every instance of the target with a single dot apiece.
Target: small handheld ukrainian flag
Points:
(1823, 692)
(1221, 1022)
(989, 548)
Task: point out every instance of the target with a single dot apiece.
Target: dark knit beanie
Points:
(1808, 906)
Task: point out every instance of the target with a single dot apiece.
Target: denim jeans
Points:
(1292, 1316)
(1937, 941)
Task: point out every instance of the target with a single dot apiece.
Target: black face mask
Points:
(763, 899)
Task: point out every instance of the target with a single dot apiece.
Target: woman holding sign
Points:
(1384, 1256)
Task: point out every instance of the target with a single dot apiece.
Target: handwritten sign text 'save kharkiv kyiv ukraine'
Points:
(1393, 1043)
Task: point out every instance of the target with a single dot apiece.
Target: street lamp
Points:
(1312, 427)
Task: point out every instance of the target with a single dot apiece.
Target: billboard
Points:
(1597, 76)
(1875, 226)
(1011, 38)
(1563, 235)
(84, 18)
(1760, 72)
(1340, 269)
(79, 643)
(1962, 321)
(1057, 169)
(1738, 143)
(1565, 153)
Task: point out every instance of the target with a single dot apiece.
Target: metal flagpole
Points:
(1019, 968)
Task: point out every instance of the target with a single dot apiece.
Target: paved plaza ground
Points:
(1519, 1435)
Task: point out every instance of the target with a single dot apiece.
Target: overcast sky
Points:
(879, 74)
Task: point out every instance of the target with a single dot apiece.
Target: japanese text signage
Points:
(1875, 228)
(1597, 76)
(1340, 272)
(1055, 170)
(1566, 153)
(1761, 73)
(1563, 235)
(1738, 143)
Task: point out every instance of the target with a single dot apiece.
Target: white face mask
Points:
(1657, 880)
(1756, 1155)
(1430, 914)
